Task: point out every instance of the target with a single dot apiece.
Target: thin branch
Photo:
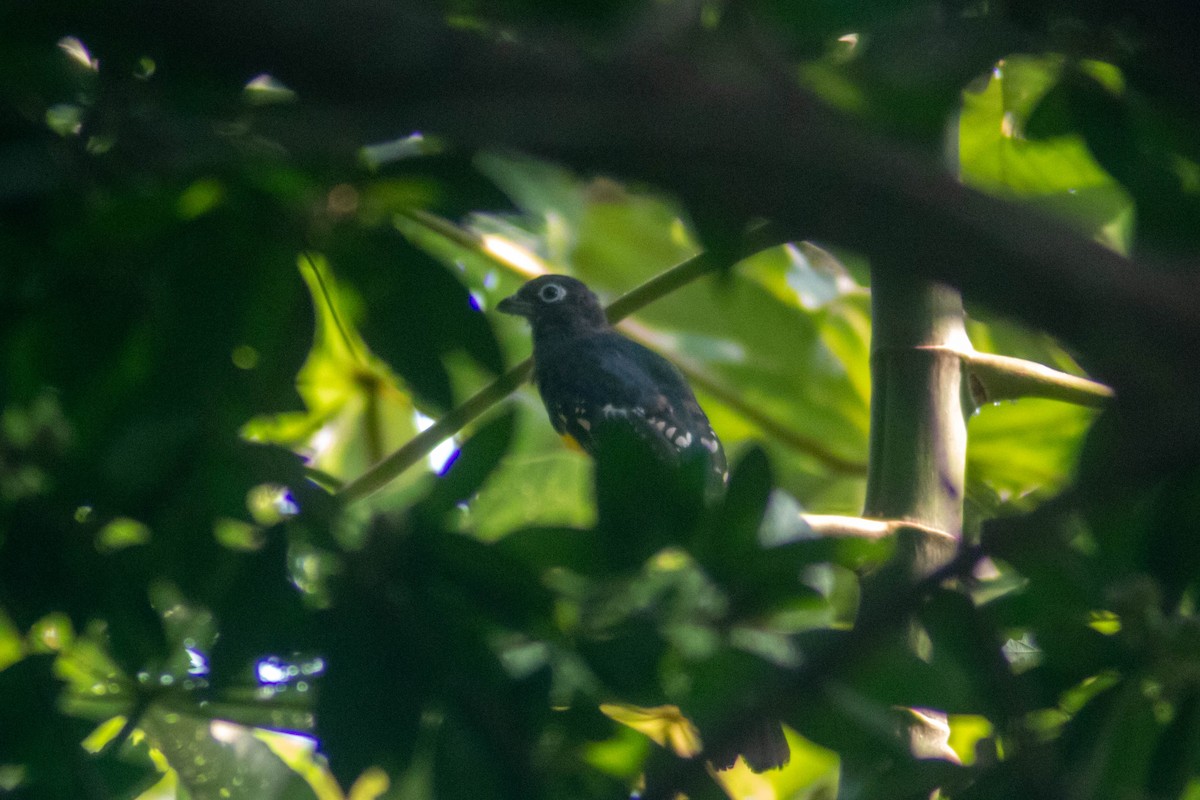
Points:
(502, 252)
(323, 479)
(331, 306)
(424, 442)
(996, 378)
(461, 236)
(864, 528)
(372, 419)
(660, 285)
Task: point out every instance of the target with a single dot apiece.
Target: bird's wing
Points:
(610, 380)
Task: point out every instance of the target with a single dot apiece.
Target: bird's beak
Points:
(515, 305)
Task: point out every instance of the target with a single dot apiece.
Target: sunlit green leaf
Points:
(540, 482)
(217, 758)
(1027, 447)
(994, 154)
(725, 338)
(357, 411)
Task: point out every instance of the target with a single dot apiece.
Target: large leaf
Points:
(213, 758)
(356, 410)
(46, 744)
(995, 154)
(769, 355)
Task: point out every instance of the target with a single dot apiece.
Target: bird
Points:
(592, 378)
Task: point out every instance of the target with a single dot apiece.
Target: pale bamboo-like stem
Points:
(920, 404)
(863, 528)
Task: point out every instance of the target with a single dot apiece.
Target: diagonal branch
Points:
(417, 448)
(423, 443)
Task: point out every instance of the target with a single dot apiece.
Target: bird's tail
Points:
(759, 741)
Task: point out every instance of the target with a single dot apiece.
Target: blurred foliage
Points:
(221, 300)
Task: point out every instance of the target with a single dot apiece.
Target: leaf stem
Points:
(322, 282)
(919, 402)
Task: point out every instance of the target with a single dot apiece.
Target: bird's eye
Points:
(551, 293)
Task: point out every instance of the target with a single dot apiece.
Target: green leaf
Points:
(374, 690)
(1150, 529)
(502, 589)
(644, 504)
(46, 745)
(577, 550)
(1133, 142)
(892, 675)
(1022, 451)
(539, 482)
(1177, 752)
(995, 155)
(914, 779)
(733, 531)
(221, 759)
(260, 611)
(626, 659)
(964, 642)
(356, 410)
(416, 314)
(468, 765)
(1111, 742)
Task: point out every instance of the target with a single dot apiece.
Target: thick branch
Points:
(713, 126)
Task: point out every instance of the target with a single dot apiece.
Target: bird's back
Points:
(600, 378)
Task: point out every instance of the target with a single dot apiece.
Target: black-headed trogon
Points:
(590, 377)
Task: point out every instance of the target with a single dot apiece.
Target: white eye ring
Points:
(551, 293)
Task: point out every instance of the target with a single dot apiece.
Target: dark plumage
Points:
(591, 377)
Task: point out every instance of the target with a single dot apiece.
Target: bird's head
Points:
(556, 303)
